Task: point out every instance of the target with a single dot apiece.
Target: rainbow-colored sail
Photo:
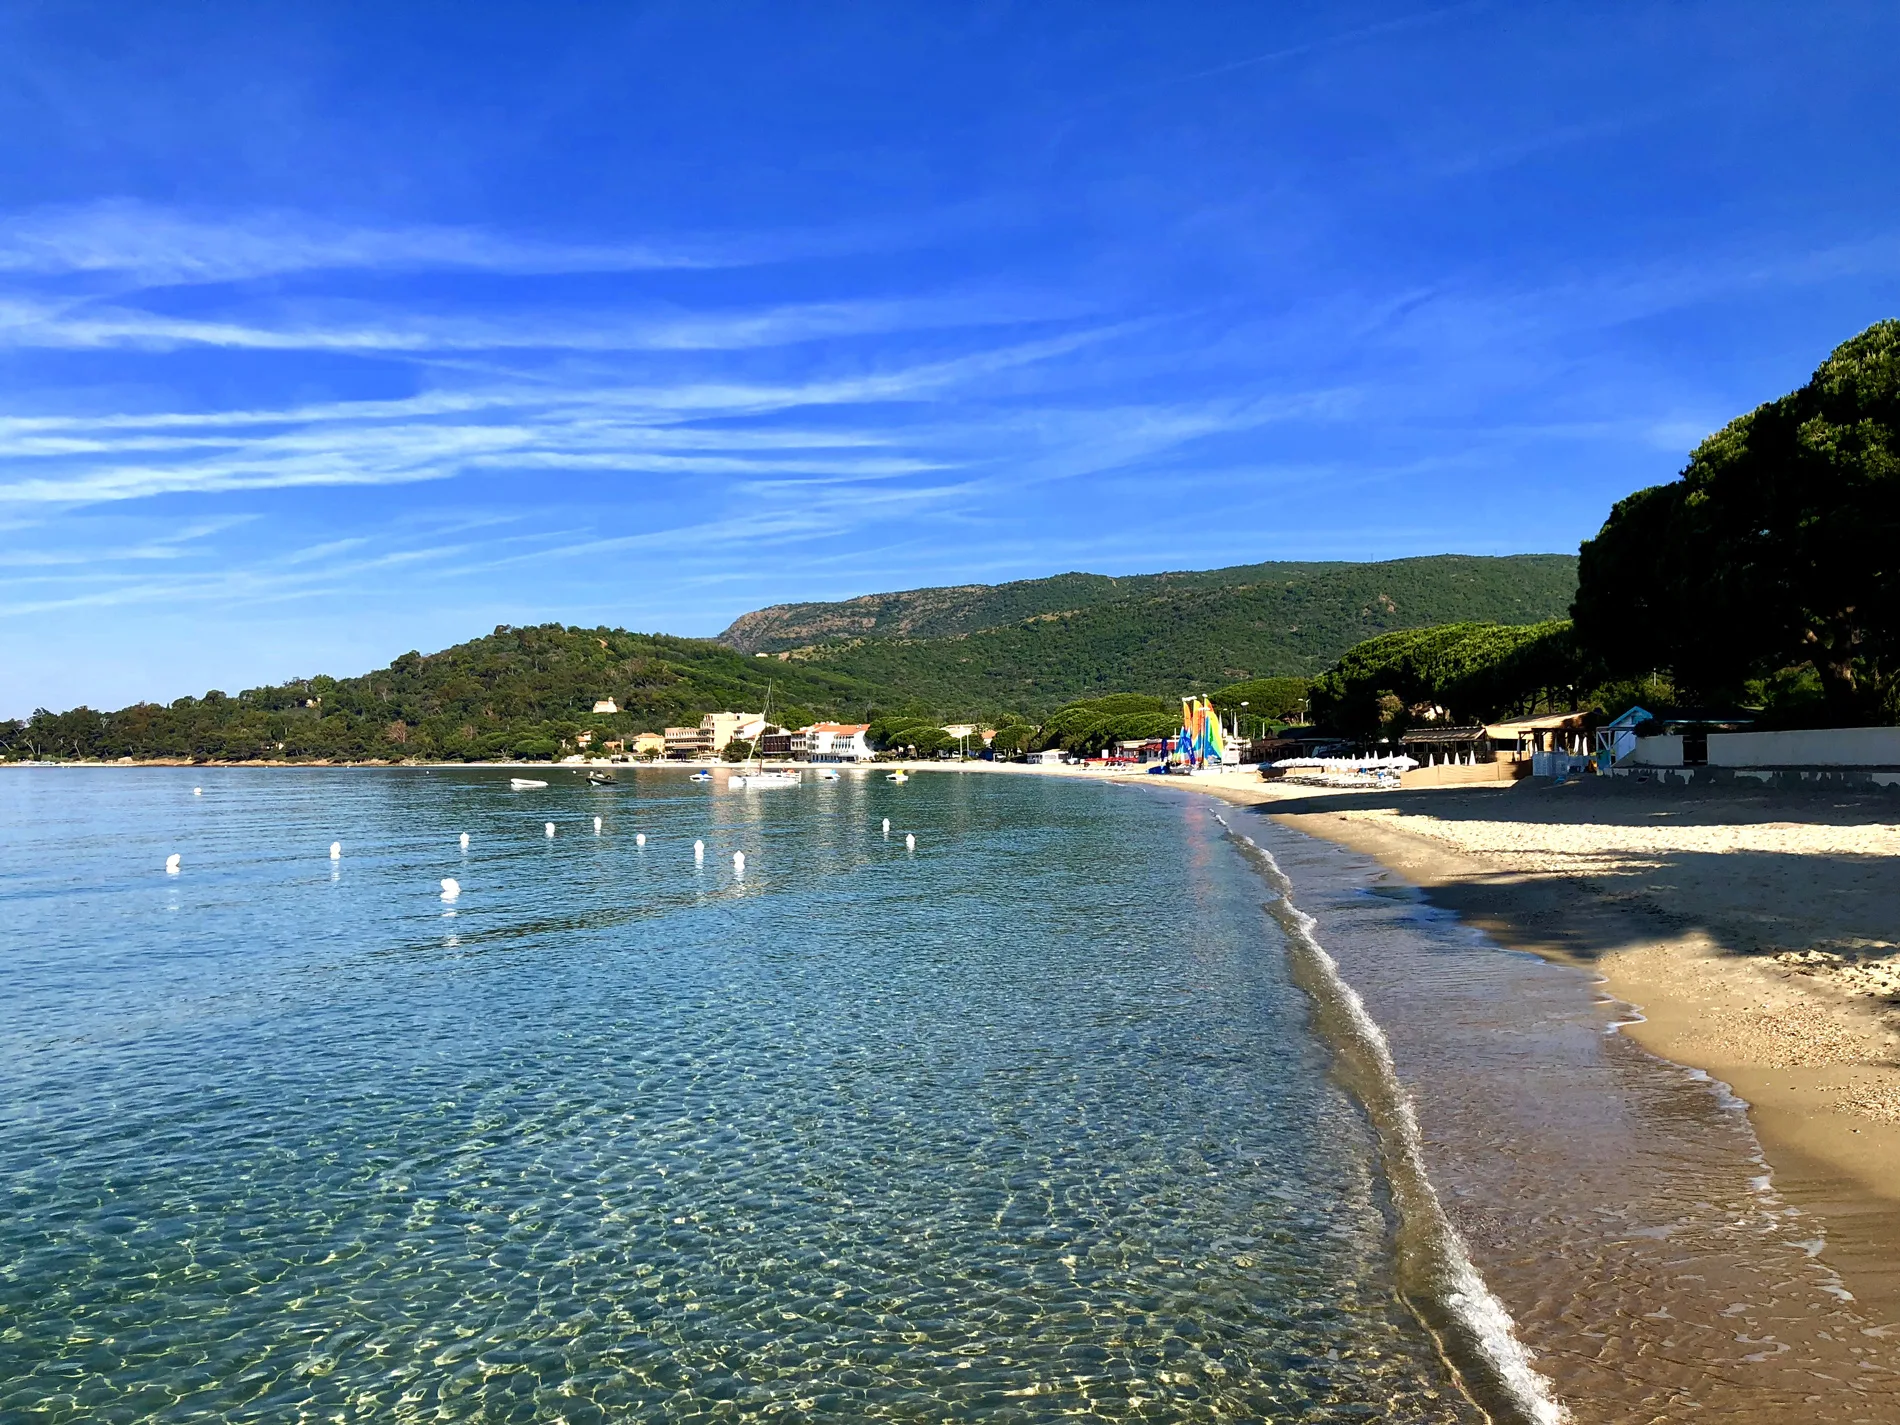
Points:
(1202, 739)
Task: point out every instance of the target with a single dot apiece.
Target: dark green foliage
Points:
(1778, 549)
(1014, 740)
(1199, 639)
(1096, 723)
(905, 734)
(1274, 699)
(1476, 672)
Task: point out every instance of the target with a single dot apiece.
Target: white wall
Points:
(1822, 747)
(1665, 751)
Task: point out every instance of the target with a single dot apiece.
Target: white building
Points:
(606, 705)
(832, 742)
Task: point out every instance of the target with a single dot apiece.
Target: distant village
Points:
(730, 735)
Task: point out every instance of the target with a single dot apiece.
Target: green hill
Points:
(1533, 579)
(1175, 634)
(520, 692)
(529, 692)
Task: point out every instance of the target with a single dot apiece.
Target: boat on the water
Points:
(898, 777)
(761, 778)
(601, 779)
(702, 775)
(764, 779)
(827, 774)
(522, 784)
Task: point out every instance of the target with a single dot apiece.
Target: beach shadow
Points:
(1750, 902)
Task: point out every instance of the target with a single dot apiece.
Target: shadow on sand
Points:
(1749, 901)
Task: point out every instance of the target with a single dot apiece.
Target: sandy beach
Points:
(1753, 932)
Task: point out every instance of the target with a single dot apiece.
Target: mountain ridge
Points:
(921, 613)
(1183, 634)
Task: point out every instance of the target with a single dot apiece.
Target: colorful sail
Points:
(1216, 737)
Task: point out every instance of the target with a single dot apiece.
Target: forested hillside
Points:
(1538, 583)
(1189, 639)
(519, 692)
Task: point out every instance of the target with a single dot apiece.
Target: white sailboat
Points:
(762, 778)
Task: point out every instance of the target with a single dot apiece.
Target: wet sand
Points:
(1755, 933)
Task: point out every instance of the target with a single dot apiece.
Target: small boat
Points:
(898, 777)
(765, 779)
(761, 778)
(522, 784)
(702, 775)
(601, 779)
(826, 774)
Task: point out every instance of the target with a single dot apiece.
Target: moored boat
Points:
(765, 779)
(522, 784)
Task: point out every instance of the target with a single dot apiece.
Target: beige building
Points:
(709, 739)
(647, 744)
(606, 705)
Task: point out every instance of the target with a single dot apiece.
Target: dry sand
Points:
(1755, 932)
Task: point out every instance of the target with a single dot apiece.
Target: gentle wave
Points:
(1473, 1327)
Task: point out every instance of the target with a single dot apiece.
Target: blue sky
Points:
(327, 332)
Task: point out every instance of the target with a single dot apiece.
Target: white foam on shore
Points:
(1462, 1291)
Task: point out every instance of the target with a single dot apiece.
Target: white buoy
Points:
(910, 842)
(887, 828)
(549, 826)
(197, 791)
(465, 841)
(171, 864)
(336, 850)
(639, 838)
(451, 888)
(597, 826)
(738, 863)
(699, 851)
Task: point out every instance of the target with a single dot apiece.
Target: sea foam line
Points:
(1473, 1326)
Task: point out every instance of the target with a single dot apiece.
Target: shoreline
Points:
(1815, 1062)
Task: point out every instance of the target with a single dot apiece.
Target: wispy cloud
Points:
(354, 328)
(162, 246)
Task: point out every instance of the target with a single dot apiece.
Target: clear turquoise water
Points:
(1026, 1125)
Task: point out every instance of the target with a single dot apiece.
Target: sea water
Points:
(1029, 1122)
